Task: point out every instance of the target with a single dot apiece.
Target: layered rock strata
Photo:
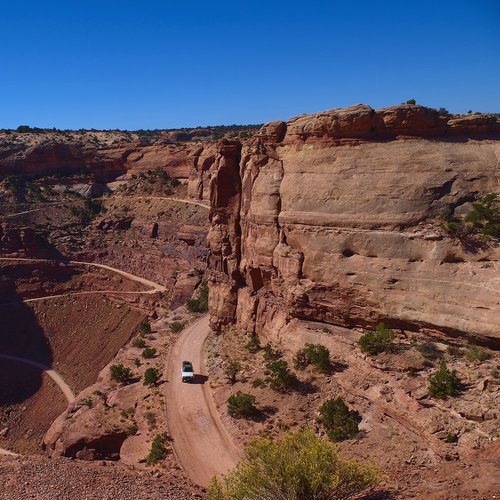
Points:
(335, 218)
(105, 155)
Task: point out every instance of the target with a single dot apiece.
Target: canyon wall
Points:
(335, 218)
(105, 155)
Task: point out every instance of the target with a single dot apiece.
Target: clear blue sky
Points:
(164, 64)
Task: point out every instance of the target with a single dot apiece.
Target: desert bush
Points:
(270, 354)
(137, 362)
(451, 438)
(444, 383)
(88, 402)
(411, 101)
(120, 373)
(340, 422)
(151, 376)
(483, 220)
(132, 429)
(200, 304)
(145, 327)
(375, 342)
(281, 378)
(253, 345)
(485, 215)
(129, 412)
(150, 419)
(241, 405)
(139, 342)
(476, 353)
(177, 326)
(313, 354)
(298, 466)
(258, 382)
(231, 370)
(158, 450)
(149, 352)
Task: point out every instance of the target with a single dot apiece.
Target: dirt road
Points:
(201, 444)
(153, 287)
(68, 393)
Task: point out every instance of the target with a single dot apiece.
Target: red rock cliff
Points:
(107, 155)
(334, 217)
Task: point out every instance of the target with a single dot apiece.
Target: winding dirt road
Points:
(68, 393)
(201, 443)
(153, 287)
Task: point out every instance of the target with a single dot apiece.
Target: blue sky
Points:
(163, 64)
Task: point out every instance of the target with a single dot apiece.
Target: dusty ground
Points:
(401, 428)
(51, 479)
(28, 421)
(82, 334)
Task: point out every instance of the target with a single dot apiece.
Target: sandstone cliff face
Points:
(334, 217)
(107, 155)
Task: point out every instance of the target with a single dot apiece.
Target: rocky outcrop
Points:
(335, 217)
(106, 155)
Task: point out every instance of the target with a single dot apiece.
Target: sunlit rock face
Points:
(335, 217)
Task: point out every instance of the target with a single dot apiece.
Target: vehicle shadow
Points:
(199, 379)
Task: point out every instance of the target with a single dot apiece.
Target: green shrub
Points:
(253, 345)
(139, 342)
(158, 450)
(177, 326)
(258, 382)
(88, 402)
(270, 354)
(199, 305)
(314, 354)
(444, 383)
(120, 373)
(482, 220)
(137, 362)
(132, 429)
(451, 438)
(145, 327)
(151, 376)
(241, 405)
(149, 352)
(411, 101)
(485, 215)
(476, 353)
(375, 342)
(340, 423)
(298, 466)
(281, 378)
(150, 419)
(231, 370)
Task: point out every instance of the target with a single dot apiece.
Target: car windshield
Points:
(187, 366)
